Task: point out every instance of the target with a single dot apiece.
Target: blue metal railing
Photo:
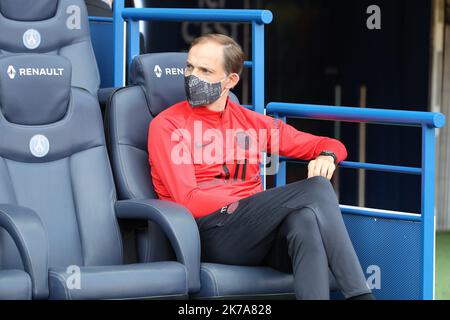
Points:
(429, 121)
(368, 166)
(385, 116)
(214, 15)
(101, 19)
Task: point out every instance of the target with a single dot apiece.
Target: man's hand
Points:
(321, 166)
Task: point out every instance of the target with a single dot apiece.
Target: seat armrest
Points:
(178, 225)
(30, 237)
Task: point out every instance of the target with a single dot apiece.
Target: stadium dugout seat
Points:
(14, 284)
(58, 207)
(57, 27)
(157, 84)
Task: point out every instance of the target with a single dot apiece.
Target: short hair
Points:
(232, 51)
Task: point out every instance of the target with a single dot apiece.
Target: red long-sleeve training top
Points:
(205, 159)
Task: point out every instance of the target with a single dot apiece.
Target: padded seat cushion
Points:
(135, 281)
(227, 281)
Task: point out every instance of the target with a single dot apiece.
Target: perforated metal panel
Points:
(395, 246)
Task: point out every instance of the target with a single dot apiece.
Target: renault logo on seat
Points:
(31, 39)
(158, 71)
(39, 146)
(11, 72)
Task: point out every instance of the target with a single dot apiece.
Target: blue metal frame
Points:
(427, 196)
(102, 32)
(101, 19)
(119, 43)
(429, 121)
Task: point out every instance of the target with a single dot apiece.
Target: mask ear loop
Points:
(223, 91)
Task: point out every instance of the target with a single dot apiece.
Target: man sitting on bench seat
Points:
(205, 154)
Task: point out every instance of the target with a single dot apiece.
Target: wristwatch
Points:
(329, 153)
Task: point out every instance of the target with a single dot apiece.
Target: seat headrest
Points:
(28, 10)
(34, 88)
(161, 76)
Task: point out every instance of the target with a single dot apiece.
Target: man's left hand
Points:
(321, 166)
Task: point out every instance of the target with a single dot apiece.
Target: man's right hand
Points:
(321, 166)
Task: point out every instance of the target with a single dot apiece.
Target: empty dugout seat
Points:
(14, 285)
(158, 84)
(58, 208)
(58, 27)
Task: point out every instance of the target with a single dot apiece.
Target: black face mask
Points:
(200, 92)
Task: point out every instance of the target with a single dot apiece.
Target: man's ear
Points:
(233, 80)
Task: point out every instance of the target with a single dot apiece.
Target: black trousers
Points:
(297, 228)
